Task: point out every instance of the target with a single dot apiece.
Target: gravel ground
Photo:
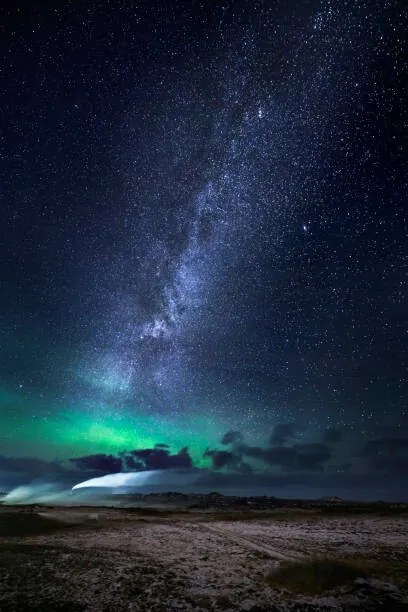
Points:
(117, 560)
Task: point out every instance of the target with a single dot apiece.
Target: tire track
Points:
(249, 544)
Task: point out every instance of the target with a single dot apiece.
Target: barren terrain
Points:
(123, 559)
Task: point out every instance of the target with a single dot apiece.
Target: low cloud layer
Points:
(284, 452)
(290, 463)
(285, 432)
(99, 463)
(157, 458)
(388, 455)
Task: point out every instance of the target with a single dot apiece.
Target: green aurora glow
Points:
(67, 431)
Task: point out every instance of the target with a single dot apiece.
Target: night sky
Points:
(203, 249)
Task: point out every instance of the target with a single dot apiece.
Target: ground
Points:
(123, 559)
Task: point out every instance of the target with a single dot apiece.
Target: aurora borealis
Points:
(203, 243)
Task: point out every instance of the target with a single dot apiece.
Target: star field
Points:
(204, 234)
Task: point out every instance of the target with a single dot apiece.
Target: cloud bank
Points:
(291, 463)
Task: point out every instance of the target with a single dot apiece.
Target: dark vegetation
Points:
(14, 524)
(26, 524)
(317, 575)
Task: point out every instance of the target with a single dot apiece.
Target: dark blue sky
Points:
(204, 231)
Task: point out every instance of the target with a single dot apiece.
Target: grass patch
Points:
(21, 524)
(315, 576)
(14, 524)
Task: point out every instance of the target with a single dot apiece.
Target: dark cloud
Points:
(284, 432)
(131, 463)
(391, 465)
(230, 460)
(21, 470)
(332, 435)
(221, 458)
(309, 466)
(245, 468)
(292, 484)
(387, 455)
(372, 448)
(29, 465)
(281, 456)
(160, 458)
(157, 458)
(311, 457)
(16, 471)
(385, 447)
(232, 437)
(108, 464)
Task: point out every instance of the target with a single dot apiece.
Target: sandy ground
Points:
(61, 559)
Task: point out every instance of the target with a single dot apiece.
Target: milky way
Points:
(204, 211)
